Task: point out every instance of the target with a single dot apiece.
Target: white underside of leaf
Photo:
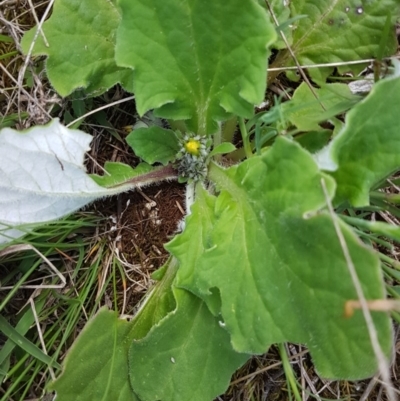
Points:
(324, 159)
(42, 176)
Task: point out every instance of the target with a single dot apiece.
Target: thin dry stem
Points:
(104, 274)
(28, 56)
(302, 73)
(336, 64)
(106, 106)
(306, 377)
(25, 247)
(39, 330)
(371, 385)
(38, 23)
(38, 98)
(269, 367)
(24, 91)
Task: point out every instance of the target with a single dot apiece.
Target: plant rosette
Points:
(260, 260)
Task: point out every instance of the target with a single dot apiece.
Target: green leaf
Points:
(305, 110)
(339, 31)
(81, 37)
(187, 356)
(274, 256)
(198, 226)
(159, 302)
(154, 144)
(198, 223)
(368, 148)
(96, 367)
(223, 148)
(195, 60)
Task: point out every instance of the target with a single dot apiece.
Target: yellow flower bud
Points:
(192, 146)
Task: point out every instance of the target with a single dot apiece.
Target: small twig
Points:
(371, 385)
(39, 330)
(103, 276)
(394, 185)
(380, 305)
(98, 165)
(28, 95)
(337, 64)
(38, 23)
(145, 196)
(22, 71)
(106, 106)
(388, 220)
(178, 205)
(25, 247)
(395, 390)
(269, 367)
(73, 285)
(298, 66)
(307, 378)
(123, 278)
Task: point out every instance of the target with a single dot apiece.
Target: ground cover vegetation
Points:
(289, 233)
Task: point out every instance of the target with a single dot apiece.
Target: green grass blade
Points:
(25, 344)
(22, 327)
(5, 39)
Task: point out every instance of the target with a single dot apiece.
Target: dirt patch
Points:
(141, 222)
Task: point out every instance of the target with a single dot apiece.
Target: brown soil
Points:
(139, 225)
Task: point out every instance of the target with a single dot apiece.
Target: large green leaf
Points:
(183, 352)
(154, 144)
(159, 302)
(341, 30)
(368, 148)
(96, 368)
(274, 256)
(195, 60)
(81, 37)
(200, 223)
(177, 351)
(188, 356)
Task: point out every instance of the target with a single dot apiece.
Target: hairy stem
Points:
(152, 177)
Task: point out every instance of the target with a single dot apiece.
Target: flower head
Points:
(192, 157)
(192, 146)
